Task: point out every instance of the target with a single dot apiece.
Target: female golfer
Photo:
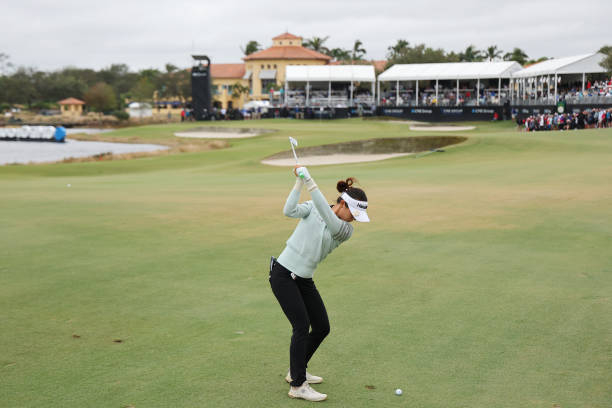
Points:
(321, 229)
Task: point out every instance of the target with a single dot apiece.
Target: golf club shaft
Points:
(296, 159)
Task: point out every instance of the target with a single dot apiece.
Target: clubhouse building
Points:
(263, 72)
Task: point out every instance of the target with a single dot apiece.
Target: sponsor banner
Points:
(442, 113)
(452, 111)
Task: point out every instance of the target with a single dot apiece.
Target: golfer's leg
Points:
(317, 315)
(288, 295)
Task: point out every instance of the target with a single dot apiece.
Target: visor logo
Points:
(362, 206)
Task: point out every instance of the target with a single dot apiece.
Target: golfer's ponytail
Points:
(344, 185)
(347, 186)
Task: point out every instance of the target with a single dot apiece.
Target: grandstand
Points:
(333, 86)
(446, 84)
(578, 79)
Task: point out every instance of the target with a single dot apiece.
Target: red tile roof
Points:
(71, 101)
(379, 65)
(227, 70)
(286, 36)
(288, 52)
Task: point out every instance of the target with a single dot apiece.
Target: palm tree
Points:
(607, 61)
(251, 47)
(493, 53)
(358, 51)
(238, 89)
(316, 44)
(517, 55)
(399, 48)
(471, 54)
(339, 54)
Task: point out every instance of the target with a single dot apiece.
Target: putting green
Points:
(483, 280)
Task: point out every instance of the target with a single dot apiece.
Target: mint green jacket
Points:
(318, 233)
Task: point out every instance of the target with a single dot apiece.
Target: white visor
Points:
(356, 207)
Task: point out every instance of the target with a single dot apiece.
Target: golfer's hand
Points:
(302, 172)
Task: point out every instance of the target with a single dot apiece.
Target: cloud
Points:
(53, 34)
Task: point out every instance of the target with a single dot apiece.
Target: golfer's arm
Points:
(340, 230)
(292, 208)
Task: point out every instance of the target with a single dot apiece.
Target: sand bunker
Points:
(362, 150)
(442, 128)
(333, 159)
(209, 132)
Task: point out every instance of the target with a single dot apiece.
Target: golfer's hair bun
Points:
(344, 185)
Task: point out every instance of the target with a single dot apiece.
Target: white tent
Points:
(577, 64)
(329, 74)
(448, 71)
(264, 105)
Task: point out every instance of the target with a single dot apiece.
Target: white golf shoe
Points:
(311, 379)
(306, 392)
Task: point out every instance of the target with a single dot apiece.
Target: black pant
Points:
(303, 306)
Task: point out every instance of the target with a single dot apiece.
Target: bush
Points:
(121, 115)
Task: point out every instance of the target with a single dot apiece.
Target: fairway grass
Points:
(483, 280)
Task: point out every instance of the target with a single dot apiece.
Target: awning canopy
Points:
(330, 73)
(247, 75)
(267, 74)
(578, 64)
(450, 70)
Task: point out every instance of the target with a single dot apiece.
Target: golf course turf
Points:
(483, 280)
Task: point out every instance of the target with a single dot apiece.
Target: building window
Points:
(262, 67)
(274, 66)
(281, 43)
(268, 66)
(290, 43)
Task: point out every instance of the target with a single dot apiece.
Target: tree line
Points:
(103, 90)
(107, 89)
(402, 52)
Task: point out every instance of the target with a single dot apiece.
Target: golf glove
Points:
(305, 175)
(302, 172)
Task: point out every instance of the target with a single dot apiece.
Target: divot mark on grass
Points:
(76, 336)
(370, 387)
(117, 341)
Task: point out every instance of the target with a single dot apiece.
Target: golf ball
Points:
(398, 391)
(68, 185)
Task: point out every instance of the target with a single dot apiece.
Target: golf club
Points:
(293, 144)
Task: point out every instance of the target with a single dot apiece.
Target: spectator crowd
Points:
(586, 119)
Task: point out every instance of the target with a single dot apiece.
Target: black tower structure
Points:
(200, 87)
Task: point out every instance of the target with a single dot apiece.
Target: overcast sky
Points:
(50, 34)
